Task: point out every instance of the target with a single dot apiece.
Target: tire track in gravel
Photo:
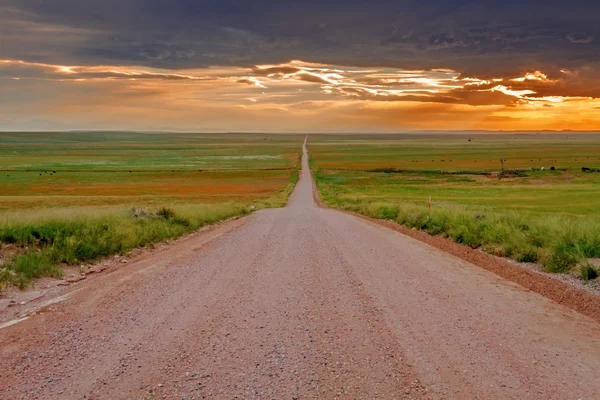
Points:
(355, 345)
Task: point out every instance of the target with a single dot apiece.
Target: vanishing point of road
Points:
(301, 302)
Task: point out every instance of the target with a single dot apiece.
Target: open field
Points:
(142, 151)
(27, 190)
(67, 197)
(454, 152)
(530, 214)
(76, 169)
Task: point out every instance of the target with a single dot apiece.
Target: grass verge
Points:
(46, 244)
(559, 242)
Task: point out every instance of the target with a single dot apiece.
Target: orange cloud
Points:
(293, 96)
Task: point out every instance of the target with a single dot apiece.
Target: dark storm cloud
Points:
(579, 37)
(483, 38)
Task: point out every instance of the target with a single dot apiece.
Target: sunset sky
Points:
(347, 66)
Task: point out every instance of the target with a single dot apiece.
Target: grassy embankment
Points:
(550, 217)
(73, 198)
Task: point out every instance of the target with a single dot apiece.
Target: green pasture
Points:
(557, 192)
(145, 151)
(453, 152)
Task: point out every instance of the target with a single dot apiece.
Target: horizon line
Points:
(420, 131)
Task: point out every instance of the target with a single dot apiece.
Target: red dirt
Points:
(167, 187)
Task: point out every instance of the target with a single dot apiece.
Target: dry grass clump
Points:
(45, 244)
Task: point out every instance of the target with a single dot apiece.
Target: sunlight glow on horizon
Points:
(332, 95)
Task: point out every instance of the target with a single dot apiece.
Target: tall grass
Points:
(43, 245)
(558, 241)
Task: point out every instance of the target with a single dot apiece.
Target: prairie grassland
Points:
(454, 152)
(24, 190)
(126, 151)
(68, 198)
(533, 215)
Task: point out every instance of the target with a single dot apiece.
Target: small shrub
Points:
(9, 236)
(538, 238)
(388, 212)
(528, 255)
(465, 230)
(436, 224)
(563, 256)
(416, 219)
(467, 237)
(589, 243)
(166, 213)
(508, 249)
(140, 212)
(181, 221)
(479, 217)
(588, 272)
(523, 227)
(32, 265)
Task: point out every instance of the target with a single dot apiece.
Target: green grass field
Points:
(453, 152)
(142, 151)
(66, 198)
(530, 214)
(78, 169)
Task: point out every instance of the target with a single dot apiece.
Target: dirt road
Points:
(297, 303)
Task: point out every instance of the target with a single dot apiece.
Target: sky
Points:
(294, 66)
